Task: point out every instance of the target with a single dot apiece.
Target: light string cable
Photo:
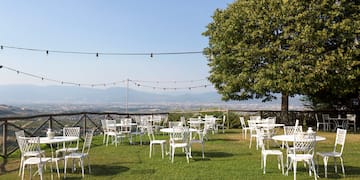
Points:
(137, 83)
(97, 54)
(59, 81)
(171, 88)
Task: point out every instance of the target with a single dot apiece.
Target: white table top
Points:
(171, 130)
(265, 125)
(290, 138)
(58, 139)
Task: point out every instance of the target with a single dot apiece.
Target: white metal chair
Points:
(265, 152)
(304, 147)
(222, 124)
(105, 130)
(112, 132)
(179, 138)
(325, 124)
(154, 141)
(244, 128)
(252, 127)
(32, 145)
(326, 119)
(336, 153)
(81, 155)
(198, 138)
(194, 123)
(69, 147)
(25, 153)
(290, 130)
(351, 121)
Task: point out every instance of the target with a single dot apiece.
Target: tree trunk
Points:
(285, 108)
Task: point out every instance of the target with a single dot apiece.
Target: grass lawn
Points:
(227, 156)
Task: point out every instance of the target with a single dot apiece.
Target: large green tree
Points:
(260, 48)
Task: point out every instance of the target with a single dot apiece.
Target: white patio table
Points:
(55, 140)
(290, 138)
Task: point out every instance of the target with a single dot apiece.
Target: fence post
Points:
(4, 150)
(85, 124)
(50, 122)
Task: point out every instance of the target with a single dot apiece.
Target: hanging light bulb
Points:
(2, 47)
(151, 55)
(47, 52)
(97, 54)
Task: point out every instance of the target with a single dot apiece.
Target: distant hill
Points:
(24, 94)
(6, 110)
(31, 94)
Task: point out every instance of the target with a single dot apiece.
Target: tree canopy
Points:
(258, 48)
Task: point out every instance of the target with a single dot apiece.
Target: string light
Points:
(136, 82)
(170, 88)
(158, 82)
(152, 54)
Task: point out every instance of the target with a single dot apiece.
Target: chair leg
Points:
(150, 150)
(282, 164)
(88, 160)
(202, 146)
(335, 166)
(342, 165)
(313, 168)
(172, 154)
(325, 165)
(22, 173)
(264, 160)
(82, 166)
(250, 141)
(21, 163)
(187, 154)
(294, 166)
(65, 163)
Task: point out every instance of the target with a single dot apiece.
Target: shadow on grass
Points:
(224, 139)
(349, 171)
(214, 154)
(107, 170)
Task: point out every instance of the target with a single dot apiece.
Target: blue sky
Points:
(105, 26)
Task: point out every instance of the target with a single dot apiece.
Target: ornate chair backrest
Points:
(19, 134)
(179, 134)
(30, 144)
(291, 130)
(304, 143)
(242, 122)
(87, 141)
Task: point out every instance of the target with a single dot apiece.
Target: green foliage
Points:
(257, 48)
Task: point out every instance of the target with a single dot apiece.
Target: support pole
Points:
(127, 94)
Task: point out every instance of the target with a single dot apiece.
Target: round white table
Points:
(290, 138)
(171, 130)
(57, 139)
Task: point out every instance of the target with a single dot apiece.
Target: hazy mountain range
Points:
(14, 94)
(31, 94)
